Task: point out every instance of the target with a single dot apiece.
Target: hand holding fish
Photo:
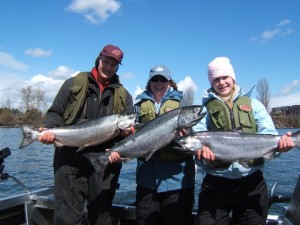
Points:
(182, 132)
(206, 154)
(47, 137)
(285, 143)
(114, 157)
(126, 132)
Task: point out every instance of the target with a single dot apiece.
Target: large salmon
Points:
(233, 146)
(151, 137)
(88, 133)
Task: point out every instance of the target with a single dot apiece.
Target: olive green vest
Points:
(79, 90)
(147, 113)
(241, 116)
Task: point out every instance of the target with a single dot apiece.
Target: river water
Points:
(33, 167)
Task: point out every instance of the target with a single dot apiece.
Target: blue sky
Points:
(42, 43)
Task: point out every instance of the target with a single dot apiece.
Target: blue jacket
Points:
(161, 175)
(264, 124)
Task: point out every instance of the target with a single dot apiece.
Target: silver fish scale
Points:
(84, 134)
(154, 135)
(233, 146)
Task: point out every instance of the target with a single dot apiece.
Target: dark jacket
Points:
(95, 106)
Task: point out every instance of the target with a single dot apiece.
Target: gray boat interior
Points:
(37, 208)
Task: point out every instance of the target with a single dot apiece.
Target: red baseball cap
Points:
(112, 51)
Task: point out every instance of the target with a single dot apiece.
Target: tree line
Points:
(33, 99)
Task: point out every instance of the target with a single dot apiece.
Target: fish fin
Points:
(97, 160)
(296, 133)
(296, 136)
(149, 156)
(125, 160)
(81, 148)
(270, 155)
(244, 164)
(27, 139)
(57, 144)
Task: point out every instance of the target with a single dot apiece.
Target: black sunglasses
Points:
(161, 79)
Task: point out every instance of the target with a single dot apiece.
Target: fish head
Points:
(127, 120)
(190, 115)
(187, 145)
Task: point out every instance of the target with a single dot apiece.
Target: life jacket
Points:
(147, 113)
(241, 116)
(79, 90)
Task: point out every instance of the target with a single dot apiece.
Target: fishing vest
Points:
(147, 113)
(241, 116)
(79, 90)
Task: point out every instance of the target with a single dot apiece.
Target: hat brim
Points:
(158, 74)
(111, 56)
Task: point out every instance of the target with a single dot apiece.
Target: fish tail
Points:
(296, 134)
(27, 137)
(98, 160)
(296, 138)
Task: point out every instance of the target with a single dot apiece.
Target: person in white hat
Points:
(233, 187)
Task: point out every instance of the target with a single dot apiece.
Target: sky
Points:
(42, 43)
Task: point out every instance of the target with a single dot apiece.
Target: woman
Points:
(165, 183)
(232, 187)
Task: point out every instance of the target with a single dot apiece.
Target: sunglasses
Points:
(161, 79)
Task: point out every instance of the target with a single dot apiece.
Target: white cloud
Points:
(283, 23)
(62, 72)
(137, 91)
(269, 34)
(49, 83)
(187, 84)
(127, 75)
(289, 95)
(38, 52)
(280, 29)
(290, 87)
(8, 61)
(285, 100)
(95, 11)
(188, 87)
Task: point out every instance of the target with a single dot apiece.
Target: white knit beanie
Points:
(220, 67)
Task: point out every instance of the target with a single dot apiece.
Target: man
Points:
(76, 184)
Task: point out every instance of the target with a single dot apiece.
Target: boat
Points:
(36, 207)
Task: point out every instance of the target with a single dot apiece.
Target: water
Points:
(33, 167)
